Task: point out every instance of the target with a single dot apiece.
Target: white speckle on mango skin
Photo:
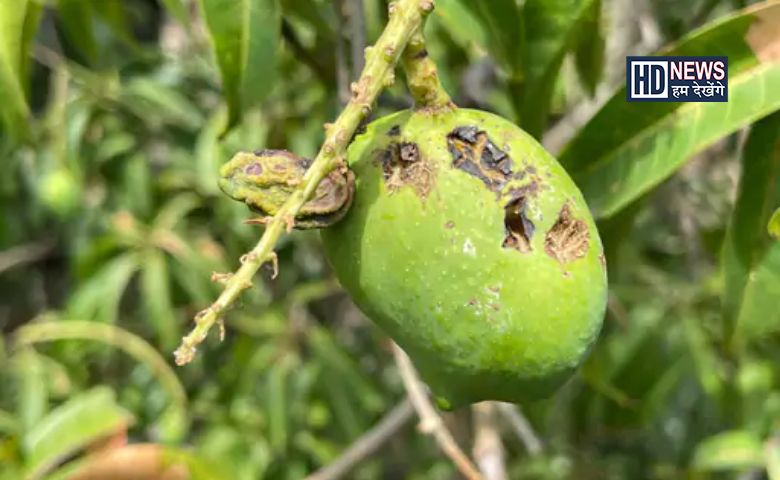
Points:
(469, 248)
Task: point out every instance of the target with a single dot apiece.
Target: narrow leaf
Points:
(751, 259)
(75, 19)
(156, 293)
(457, 19)
(150, 99)
(244, 35)
(83, 419)
(589, 51)
(735, 450)
(16, 25)
(772, 458)
(115, 337)
(503, 26)
(628, 148)
(99, 297)
(774, 225)
(33, 393)
(551, 27)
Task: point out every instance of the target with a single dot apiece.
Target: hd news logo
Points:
(677, 79)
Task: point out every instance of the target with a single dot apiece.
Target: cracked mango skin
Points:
(474, 250)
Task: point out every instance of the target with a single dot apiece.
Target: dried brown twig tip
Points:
(257, 221)
(407, 18)
(274, 265)
(221, 278)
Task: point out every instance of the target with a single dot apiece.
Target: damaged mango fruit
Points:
(471, 246)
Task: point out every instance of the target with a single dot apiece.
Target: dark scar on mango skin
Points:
(517, 226)
(473, 152)
(402, 164)
(394, 131)
(568, 239)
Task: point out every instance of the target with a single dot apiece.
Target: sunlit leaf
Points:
(734, 450)
(458, 20)
(244, 34)
(751, 259)
(772, 458)
(18, 23)
(33, 394)
(628, 148)
(774, 225)
(83, 419)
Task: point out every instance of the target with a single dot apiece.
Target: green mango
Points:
(474, 250)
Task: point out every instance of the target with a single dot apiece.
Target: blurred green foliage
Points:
(117, 114)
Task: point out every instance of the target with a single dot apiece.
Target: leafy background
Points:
(116, 115)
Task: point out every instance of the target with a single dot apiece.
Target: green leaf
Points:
(774, 225)
(156, 294)
(751, 259)
(628, 148)
(772, 454)
(209, 154)
(150, 99)
(734, 450)
(175, 210)
(456, 18)
(551, 28)
(589, 51)
(277, 404)
(77, 28)
(18, 23)
(134, 346)
(98, 298)
(244, 35)
(323, 345)
(503, 26)
(33, 396)
(73, 425)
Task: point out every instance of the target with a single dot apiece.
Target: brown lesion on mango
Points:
(568, 239)
(517, 226)
(402, 164)
(473, 152)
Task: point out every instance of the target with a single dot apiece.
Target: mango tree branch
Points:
(406, 18)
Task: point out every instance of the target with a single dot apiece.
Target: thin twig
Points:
(23, 254)
(406, 18)
(522, 428)
(368, 443)
(488, 450)
(430, 421)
